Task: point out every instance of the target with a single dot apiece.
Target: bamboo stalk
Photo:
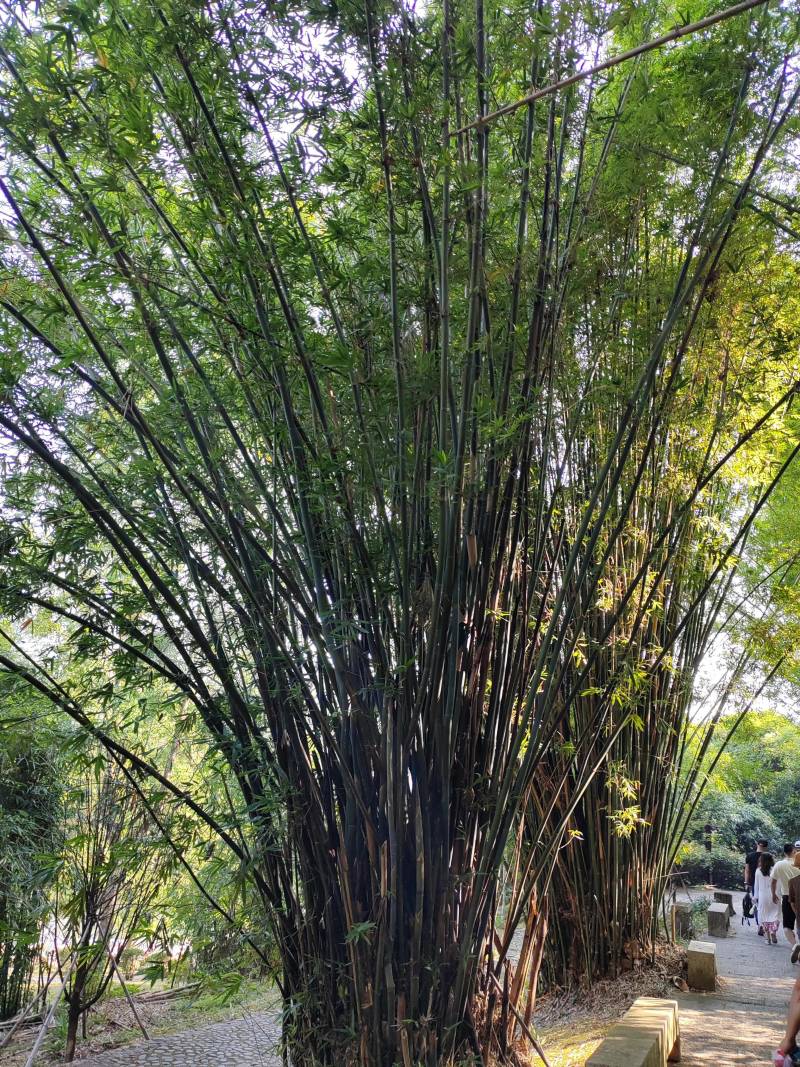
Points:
(667, 38)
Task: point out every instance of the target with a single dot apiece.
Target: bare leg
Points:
(792, 1020)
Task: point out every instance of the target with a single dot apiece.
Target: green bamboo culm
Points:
(396, 450)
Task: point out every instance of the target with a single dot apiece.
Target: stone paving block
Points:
(718, 920)
(741, 1023)
(702, 959)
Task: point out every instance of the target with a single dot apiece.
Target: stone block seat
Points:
(681, 920)
(647, 1035)
(719, 920)
(722, 896)
(702, 960)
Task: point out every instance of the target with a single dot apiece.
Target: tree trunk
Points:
(74, 998)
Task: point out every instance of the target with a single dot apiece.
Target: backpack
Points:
(747, 906)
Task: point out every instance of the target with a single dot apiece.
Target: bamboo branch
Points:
(657, 42)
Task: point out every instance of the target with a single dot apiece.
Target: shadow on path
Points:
(743, 1021)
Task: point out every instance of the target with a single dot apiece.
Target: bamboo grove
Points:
(412, 456)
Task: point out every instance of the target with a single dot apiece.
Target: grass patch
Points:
(572, 1044)
(116, 990)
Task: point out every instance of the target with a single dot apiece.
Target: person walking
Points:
(769, 904)
(750, 868)
(783, 873)
(751, 863)
(788, 1053)
(794, 900)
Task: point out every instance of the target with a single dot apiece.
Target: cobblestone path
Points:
(247, 1042)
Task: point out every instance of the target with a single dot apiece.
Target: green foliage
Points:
(110, 869)
(225, 986)
(754, 788)
(737, 822)
(376, 484)
(722, 867)
(30, 808)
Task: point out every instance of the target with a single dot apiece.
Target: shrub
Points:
(724, 865)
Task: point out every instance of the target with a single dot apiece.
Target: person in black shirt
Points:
(750, 868)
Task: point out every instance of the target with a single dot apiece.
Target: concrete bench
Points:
(719, 920)
(721, 896)
(647, 1035)
(681, 920)
(702, 959)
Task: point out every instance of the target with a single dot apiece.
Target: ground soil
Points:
(572, 1024)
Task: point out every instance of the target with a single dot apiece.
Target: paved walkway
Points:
(744, 1020)
(247, 1042)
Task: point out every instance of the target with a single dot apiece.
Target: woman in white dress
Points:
(769, 905)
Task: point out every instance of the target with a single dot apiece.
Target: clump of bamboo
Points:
(312, 427)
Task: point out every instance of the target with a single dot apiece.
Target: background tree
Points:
(748, 770)
(751, 793)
